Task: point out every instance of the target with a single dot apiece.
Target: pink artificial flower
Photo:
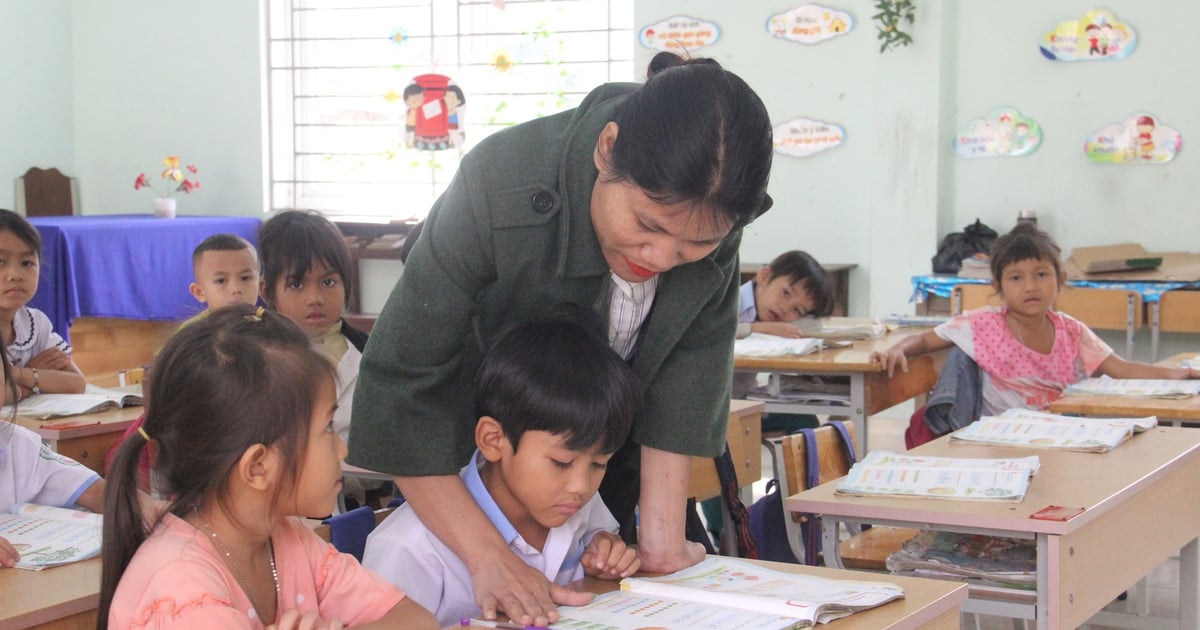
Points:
(188, 185)
(140, 182)
(191, 169)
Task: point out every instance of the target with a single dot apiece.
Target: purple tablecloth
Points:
(126, 266)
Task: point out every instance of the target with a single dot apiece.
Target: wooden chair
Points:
(972, 296)
(46, 193)
(1175, 311)
(1104, 309)
(867, 550)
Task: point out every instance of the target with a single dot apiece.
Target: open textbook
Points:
(884, 473)
(49, 536)
(759, 345)
(1139, 387)
(1022, 427)
(724, 593)
(93, 399)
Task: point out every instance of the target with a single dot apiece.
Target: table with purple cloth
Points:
(129, 266)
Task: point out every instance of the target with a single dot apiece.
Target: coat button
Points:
(542, 202)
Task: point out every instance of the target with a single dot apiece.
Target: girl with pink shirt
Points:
(239, 465)
(1027, 353)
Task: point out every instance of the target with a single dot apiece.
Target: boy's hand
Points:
(778, 329)
(891, 359)
(8, 554)
(51, 359)
(608, 557)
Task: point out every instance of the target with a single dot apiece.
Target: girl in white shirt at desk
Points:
(1028, 353)
(40, 357)
(31, 473)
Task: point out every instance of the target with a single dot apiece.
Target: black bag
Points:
(976, 238)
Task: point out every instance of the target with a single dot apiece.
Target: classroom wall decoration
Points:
(810, 24)
(433, 115)
(1096, 36)
(802, 137)
(1139, 139)
(679, 34)
(1002, 133)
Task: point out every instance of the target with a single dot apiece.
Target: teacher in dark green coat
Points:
(631, 206)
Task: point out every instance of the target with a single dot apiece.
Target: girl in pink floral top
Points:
(1028, 354)
(240, 409)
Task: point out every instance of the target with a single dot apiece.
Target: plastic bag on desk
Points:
(976, 238)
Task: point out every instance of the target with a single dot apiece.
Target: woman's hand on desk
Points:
(778, 329)
(8, 554)
(504, 582)
(891, 359)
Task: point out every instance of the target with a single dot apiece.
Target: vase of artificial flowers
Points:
(176, 182)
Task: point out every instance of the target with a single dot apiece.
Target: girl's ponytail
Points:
(124, 527)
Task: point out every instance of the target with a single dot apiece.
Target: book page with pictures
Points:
(736, 584)
(994, 560)
(1137, 387)
(1037, 429)
(49, 536)
(939, 478)
(620, 610)
(47, 406)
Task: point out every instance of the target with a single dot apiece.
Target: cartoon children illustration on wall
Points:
(1145, 137)
(433, 121)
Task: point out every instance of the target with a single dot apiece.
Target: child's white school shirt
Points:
(31, 473)
(406, 553)
(747, 309)
(33, 335)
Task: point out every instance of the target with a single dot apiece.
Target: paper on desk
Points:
(758, 345)
(1022, 427)
(1138, 387)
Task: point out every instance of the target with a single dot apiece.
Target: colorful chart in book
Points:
(1139, 139)
(680, 34)
(1004, 132)
(1021, 427)
(938, 478)
(1096, 36)
(810, 24)
(802, 137)
(620, 611)
(1139, 387)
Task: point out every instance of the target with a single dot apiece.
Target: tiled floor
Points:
(1162, 583)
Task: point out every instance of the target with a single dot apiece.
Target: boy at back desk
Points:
(554, 403)
(226, 272)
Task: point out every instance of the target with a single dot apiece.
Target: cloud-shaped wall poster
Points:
(802, 137)
(810, 24)
(1139, 139)
(1002, 133)
(679, 34)
(1096, 36)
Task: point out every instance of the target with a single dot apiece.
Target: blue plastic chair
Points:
(348, 531)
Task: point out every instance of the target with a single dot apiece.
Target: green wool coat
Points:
(511, 237)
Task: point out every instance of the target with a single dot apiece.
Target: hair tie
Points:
(142, 432)
(257, 316)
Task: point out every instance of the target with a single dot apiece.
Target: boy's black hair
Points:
(290, 241)
(412, 89)
(220, 243)
(23, 229)
(556, 376)
(798, 266)
(1025, 242)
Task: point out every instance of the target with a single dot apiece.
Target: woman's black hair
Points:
(556, 376)
(799, 266)
(290, 241)
(1025, 242)
(238, 377)
(695, 132)
(18, 225)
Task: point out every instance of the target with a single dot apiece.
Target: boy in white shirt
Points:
(554, 403)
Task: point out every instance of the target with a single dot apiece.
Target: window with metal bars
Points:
(345, 140)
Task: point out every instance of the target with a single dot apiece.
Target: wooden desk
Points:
(744, 436)
(84, 438)
(1176, 411)
(60, 597)
(871, 390)
(1084, 563)
(927, 604)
